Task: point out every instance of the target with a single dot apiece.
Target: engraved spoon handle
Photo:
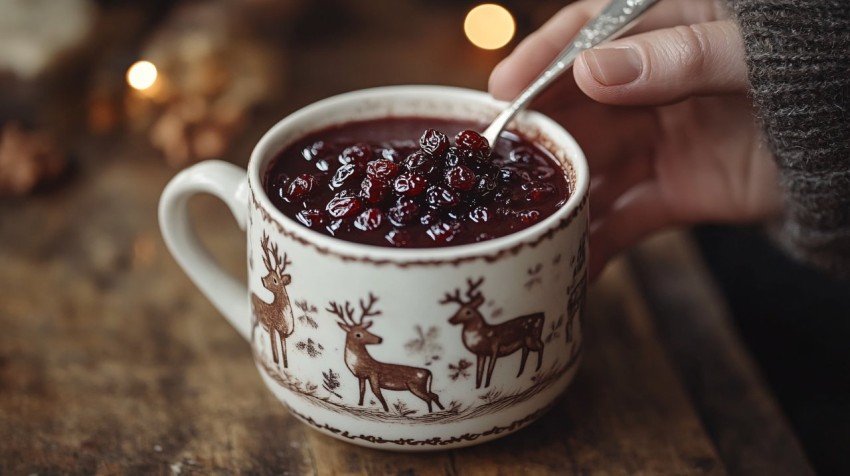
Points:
(615, 19)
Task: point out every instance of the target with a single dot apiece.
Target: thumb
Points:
(665, 66)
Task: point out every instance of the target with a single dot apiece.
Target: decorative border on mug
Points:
(496, 400)
(548, 234)
(435, 441)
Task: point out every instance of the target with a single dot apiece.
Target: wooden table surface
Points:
(111, 362)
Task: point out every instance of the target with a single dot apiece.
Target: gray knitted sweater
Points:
(798, 53)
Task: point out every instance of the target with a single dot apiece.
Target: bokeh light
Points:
(142, 75)
(489, 26)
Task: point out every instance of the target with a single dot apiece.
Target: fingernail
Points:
(614, 66)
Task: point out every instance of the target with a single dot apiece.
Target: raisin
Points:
(486, 185)
(508, 175)
(311, 217)
(359, 153)
(472, 142)
(420, 163)
(370, 219)
(344, 206)
(374, 190)
(433, 142)
(302, 186)
(428, 217)
(452, 158)
(444, 231)
(441, 198)
(346, 174)
(316, 150)
(404, 212)
(409, 185)
(382, 169)
(480, 214)
(461, 178)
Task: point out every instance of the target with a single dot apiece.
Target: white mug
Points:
(403, 349)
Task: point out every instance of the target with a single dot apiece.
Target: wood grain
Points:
(730, 396)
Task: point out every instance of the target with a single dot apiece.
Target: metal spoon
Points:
(615, 19)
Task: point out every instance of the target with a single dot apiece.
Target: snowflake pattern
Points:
(555, 329)
(307, 309)
(460, 370)
(310, 347)
(425, 344)
(534, 276)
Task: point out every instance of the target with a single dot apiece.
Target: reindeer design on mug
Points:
(276, 316)
(490, 342)
(380, 375)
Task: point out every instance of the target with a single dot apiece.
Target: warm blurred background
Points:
(199, 80)
(101, 101)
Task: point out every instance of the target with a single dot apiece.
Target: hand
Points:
(663, 117)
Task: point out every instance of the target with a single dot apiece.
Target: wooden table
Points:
(112, 362)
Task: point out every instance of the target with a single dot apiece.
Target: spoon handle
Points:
(615, 19)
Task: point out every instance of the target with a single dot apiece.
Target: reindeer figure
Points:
(380, 375)
(275, 316)
(488, 342)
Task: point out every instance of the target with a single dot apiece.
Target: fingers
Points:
(639, 213)
(665, 66)
(539, 49)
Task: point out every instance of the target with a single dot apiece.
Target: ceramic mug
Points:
(404, 349)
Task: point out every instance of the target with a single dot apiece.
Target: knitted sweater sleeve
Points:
(798, 54)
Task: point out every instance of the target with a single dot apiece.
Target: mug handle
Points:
(229, 183)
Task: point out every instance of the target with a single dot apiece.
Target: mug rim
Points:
(264, 151)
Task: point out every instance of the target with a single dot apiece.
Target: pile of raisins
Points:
(436, 188)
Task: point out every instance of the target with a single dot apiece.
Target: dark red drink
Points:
(386, 182)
